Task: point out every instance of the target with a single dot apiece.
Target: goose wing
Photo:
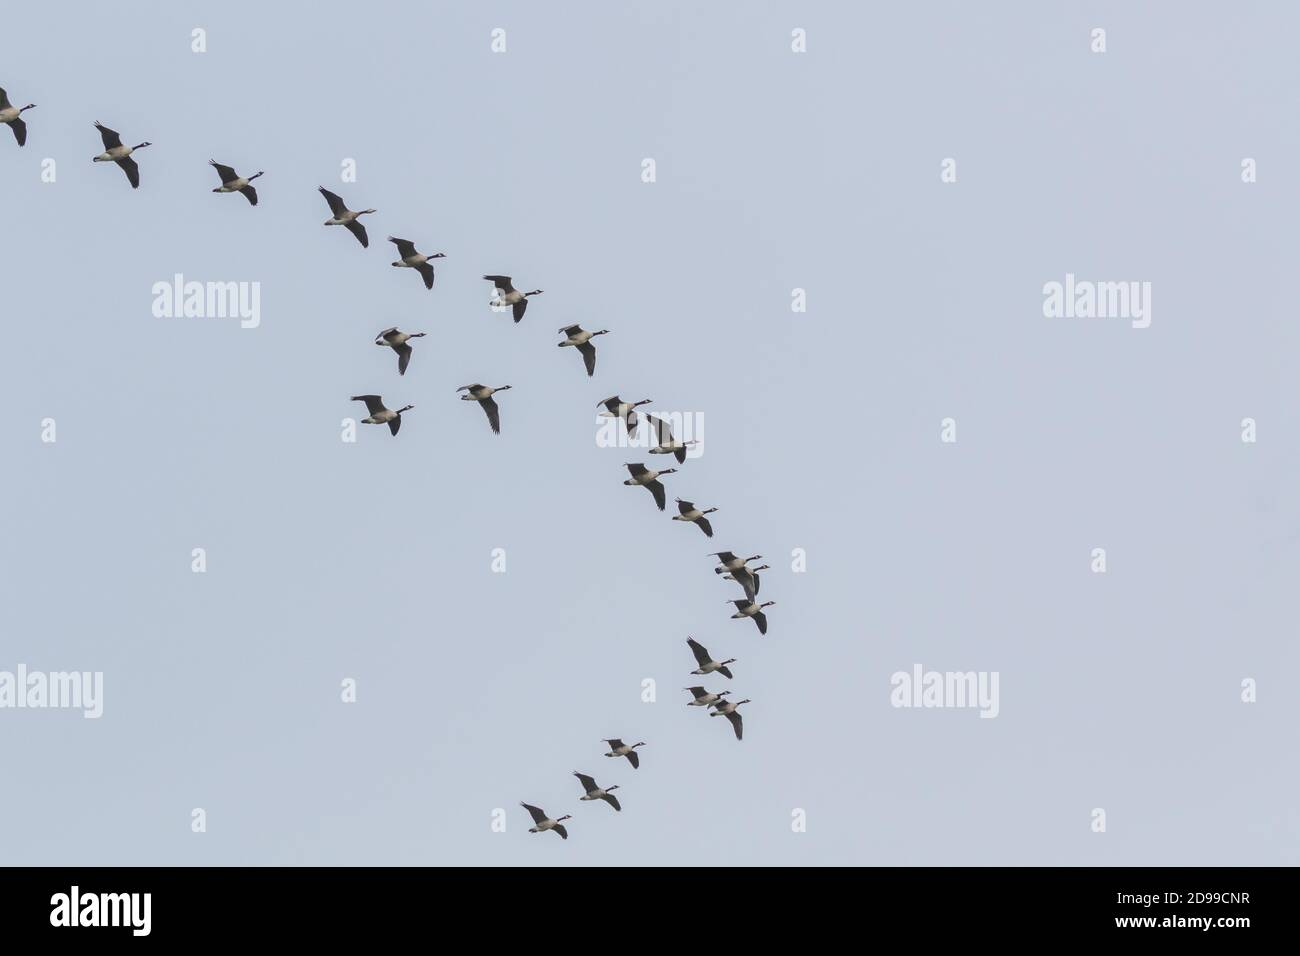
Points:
(704, 526)
(588, 357)
(636, 470)
(537, 813)
(250, 194)
(520, 308)
(131, 169)
(657, 489)
(737, 724)
(395, 424)
(4, 99)
(588, 783)
(633, 759)
(336, 203)
(405, 247)
(761, 620)
(493, 414)
(109, 136)
(403, 357)
(374, 403)
(612, 801)
(359, 231)
(501, 282)
(571, 329)
(227, 173)
(426, 270)
(20, 130)
(699, 650)
(614, 743)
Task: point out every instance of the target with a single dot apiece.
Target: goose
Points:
(707, 664)
(727, 709)
(232, 182)
(115, 152)
(615, 407)
(13, 117)
(619, 749)
(343, 216)
(542, 823)
(666, 444)
(398, 341)
(729, 562)
(509, 296)
(691, 513)
(379, 415)
(410, 259)
(594, 792)
(580, 339)
(751, 608)
(747, 578)
(483, 395)
(704, 698)
(641, 475)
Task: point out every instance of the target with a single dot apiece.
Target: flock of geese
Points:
(505, 295)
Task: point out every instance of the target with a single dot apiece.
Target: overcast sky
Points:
(775, 171)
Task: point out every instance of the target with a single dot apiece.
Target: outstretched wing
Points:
(705, 526)
(374, 403)
(109, 136)
(336, 204)
(588, 783)
(699, 650)
(537, 813)
(227, 173)
(426, 270)
(250, 194)
(405, 247)
(520, 308)
(501, 282)
(588, 357)
(359, 231)
(493, 414)
(403, 357)
(131, 169)
(633, 759)
(20, 130)
(657, 490)
(737, 724)
(612, 801)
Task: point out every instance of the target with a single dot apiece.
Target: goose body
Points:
(232, 182)
(483, 395)
(619, 749)
(115, 152)
(641, 475)
(665, 443)
(729, 562)
(615, 407)
(688, 512)
(707, 664)
(579, 338)
(704, 698)
(341, 215)
(542, 823)
(379, 415)
(751, 608)
(593, 792)
(399, 342)
(727, 709)
(410, 259)
(508, 295)
(12, 116)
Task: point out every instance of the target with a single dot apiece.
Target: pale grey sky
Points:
(775, 171)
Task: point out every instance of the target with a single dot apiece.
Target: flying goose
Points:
(748, 579)
(727, 709)
(343, 216)
(691, 513)
(707, 664)
(580, 339)
(398, 341)
(410, 259)
(619, 749)
(704, 698)
(509, 296)
(542, 823)
(594, 792)
(13, 116)
(729, 562)
(615, 407)
(379, 415)
(115, 152)
(232, 182)
(483, 395)
(666, 444)
(751, 608)
(641, 475)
